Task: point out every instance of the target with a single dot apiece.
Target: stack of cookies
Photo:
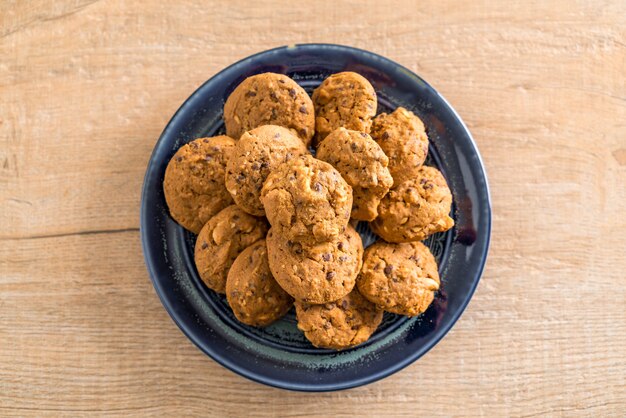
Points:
(275, 224)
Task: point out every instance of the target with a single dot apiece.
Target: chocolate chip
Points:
(277, 135)
(234, 294)
(250, 260)
(353, 147)
(204, 245)
(363, 134)
(344, 304)
(302, 132)
(388, 269)
(288, 156)
(240, 178)
(273, 96)
(215, 148)
(355, 327)
(343, 258)
(340, 246)
(274, 114)
(330, 275)
(385, 135)
(179, 159)
(251, 93)
(292, 92)
(428, 185)
(303, 110)
(193, 145)
(205, 140)
(413, 258)
(265, 164)
(207, 157)
(317, 187)
(281, 81)
(326, 256)
(255, 166)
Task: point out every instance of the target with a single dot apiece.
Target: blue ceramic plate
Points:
(279, 355)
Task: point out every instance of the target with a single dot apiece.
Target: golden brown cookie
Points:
(399, 278)
(307, 200)
(415, 209)
(257, 153)
(319, 273)
(363, 164)
(403, 138)
(269, 99)
(221, 240)
(345, 100)
(253, 294)
(194, 181)
(344, 323)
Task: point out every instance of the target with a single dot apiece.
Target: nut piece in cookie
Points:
(415, 209)
(316, 273)
(253, 294)
(269, 99)
(258, 152)
(307, 200)
(399, 278)
(194, 181)
(344, 323)
(221, 240)
(403, 138)
(343, 100)
(363, 164)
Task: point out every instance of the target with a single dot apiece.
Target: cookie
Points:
(258, 152)
(403, 138)
(307, 200)
(363, 164)
(415, 209)
(269, 99)
(253, 294)
(399, 278)
(345, 100)
(319, 273)
(345, 323)
(194, 181)
(221, 240)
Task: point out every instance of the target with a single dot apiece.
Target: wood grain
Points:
(86, 88)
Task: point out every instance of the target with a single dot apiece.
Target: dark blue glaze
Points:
(279, 355)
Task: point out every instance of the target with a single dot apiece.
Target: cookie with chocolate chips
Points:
(258, 152)
(307, 200)
(317, 273)
(399, 278)
(269, 99)
(194, 181)
(253, 294)
(344, 323)
(363, 164)
(221, 240)
(403, 138)
(415, 209)
(345, 100)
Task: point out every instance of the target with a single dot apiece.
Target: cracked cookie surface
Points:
(402, 136)
(345, 100)
(269, 99)
(307, 200)
(415, 209)
(399, 278)
(318, 273)
(344, 323)
(194, 181)
(253, 294)
(363, 165)
(258, 152)
(221, 240)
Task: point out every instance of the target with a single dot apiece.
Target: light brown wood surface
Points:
(86, 87)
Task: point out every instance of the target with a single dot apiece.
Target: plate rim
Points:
(313, 387)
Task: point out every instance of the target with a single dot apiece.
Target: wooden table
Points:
(86, 88)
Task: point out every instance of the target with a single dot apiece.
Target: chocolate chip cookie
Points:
(415, 208)
(253, 294)
(269, 99)
(318, 273)
(345, 100)
(344, 323)
(363, 164)
(399, 278)
(307, 200)
(221, 240)
(194, 181)
(403, 138)
(257, 153)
